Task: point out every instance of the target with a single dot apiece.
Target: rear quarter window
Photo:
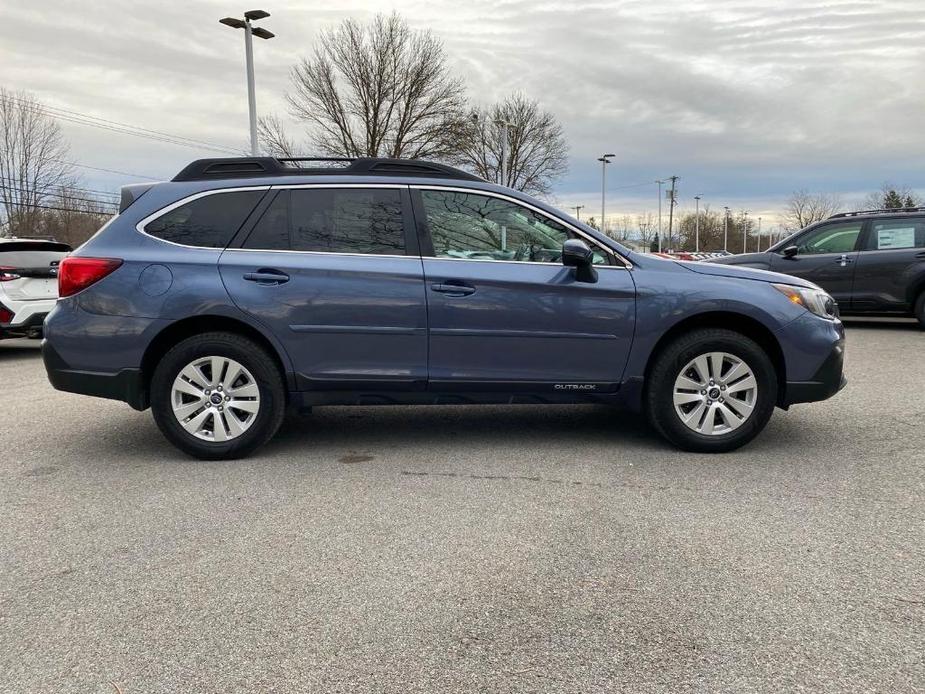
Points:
(207, 222)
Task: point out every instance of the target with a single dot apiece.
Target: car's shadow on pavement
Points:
(20, 350)
(885, 324)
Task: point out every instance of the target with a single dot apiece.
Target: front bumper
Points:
(826, 382)
(126, 385)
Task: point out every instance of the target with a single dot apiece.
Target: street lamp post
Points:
(697, 225)
(259, 32)
(745, 231)
(759, 233)
(578, 209)
(504, 137)
(726, 230)
(604, 159)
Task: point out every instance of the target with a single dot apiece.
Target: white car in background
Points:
(28, 284)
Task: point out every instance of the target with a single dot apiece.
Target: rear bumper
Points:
(126, 385)
(826, 382)
(30, 326)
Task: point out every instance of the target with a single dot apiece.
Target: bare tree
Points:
(33, 155)
(273, 138)
(72, 216)
(535, 152)
(379, 89)
(646, 228)
(804, 208)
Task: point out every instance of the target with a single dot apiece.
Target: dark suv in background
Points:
(870, 262)
(244, 286)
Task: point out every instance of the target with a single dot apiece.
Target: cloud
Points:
(744, 100)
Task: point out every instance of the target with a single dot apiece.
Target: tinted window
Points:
(832, 238)
(209, 221)
(896, 234)
(31, 254)
(333, 220)
(479, 227)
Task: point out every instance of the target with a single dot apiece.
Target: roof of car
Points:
(260, 167)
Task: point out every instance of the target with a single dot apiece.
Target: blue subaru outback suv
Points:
(246, 286)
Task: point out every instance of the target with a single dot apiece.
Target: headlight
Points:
(814, 300)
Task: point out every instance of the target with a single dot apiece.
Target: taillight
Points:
(6, 315)
(8, 274)
(76, 274)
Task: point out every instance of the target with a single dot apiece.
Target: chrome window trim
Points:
(140, 227)
(344, 253)
(626, 264)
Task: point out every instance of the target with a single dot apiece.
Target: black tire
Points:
(252, 357)
(920, 309)
(659, 396)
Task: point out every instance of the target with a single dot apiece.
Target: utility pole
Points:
(260, 33)
(671, 201)
(604, 159)
(726, 230)
(578, 209)
(660, 215)
(697, 225)
(759, 234)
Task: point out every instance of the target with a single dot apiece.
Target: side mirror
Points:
(790, 251)
(577, 254)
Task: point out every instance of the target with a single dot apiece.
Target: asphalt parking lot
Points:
(464, 549)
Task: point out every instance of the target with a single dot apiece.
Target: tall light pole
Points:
(726, 230)
(578, 209)
(504, 137)
(660, 183)
(604, 159)
(759, 233)
(261, 33)
(697, 225)
(745, 231)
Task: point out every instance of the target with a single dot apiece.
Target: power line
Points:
(10, 180)
(113, 171)
(68, 209)
(25, 191)
(123, 128)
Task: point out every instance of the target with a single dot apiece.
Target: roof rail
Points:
(894, 210)
(252, 167)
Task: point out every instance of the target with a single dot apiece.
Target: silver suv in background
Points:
(28, 284)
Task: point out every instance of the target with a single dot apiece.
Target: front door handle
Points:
(451, 288)
(844, 260)
(267, 276)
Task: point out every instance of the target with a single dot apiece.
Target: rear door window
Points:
(367, 221)
(208, 222)
(896, 234)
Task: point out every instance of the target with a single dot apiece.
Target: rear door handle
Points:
(920, 256)
(267, 276)
(453, 289)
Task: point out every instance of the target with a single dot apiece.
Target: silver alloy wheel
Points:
(715, 393)
(215, 399)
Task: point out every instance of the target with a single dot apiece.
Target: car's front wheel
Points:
(711, 390)
(217, 396)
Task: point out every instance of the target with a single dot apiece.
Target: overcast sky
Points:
(745, 100)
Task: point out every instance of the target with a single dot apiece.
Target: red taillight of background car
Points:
(76, 274)
(8, 274)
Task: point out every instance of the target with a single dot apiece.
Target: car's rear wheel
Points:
(711, 391)
(217, 396)
(920, 309)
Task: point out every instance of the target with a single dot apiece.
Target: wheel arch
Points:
(727, 320)
(194, 325)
